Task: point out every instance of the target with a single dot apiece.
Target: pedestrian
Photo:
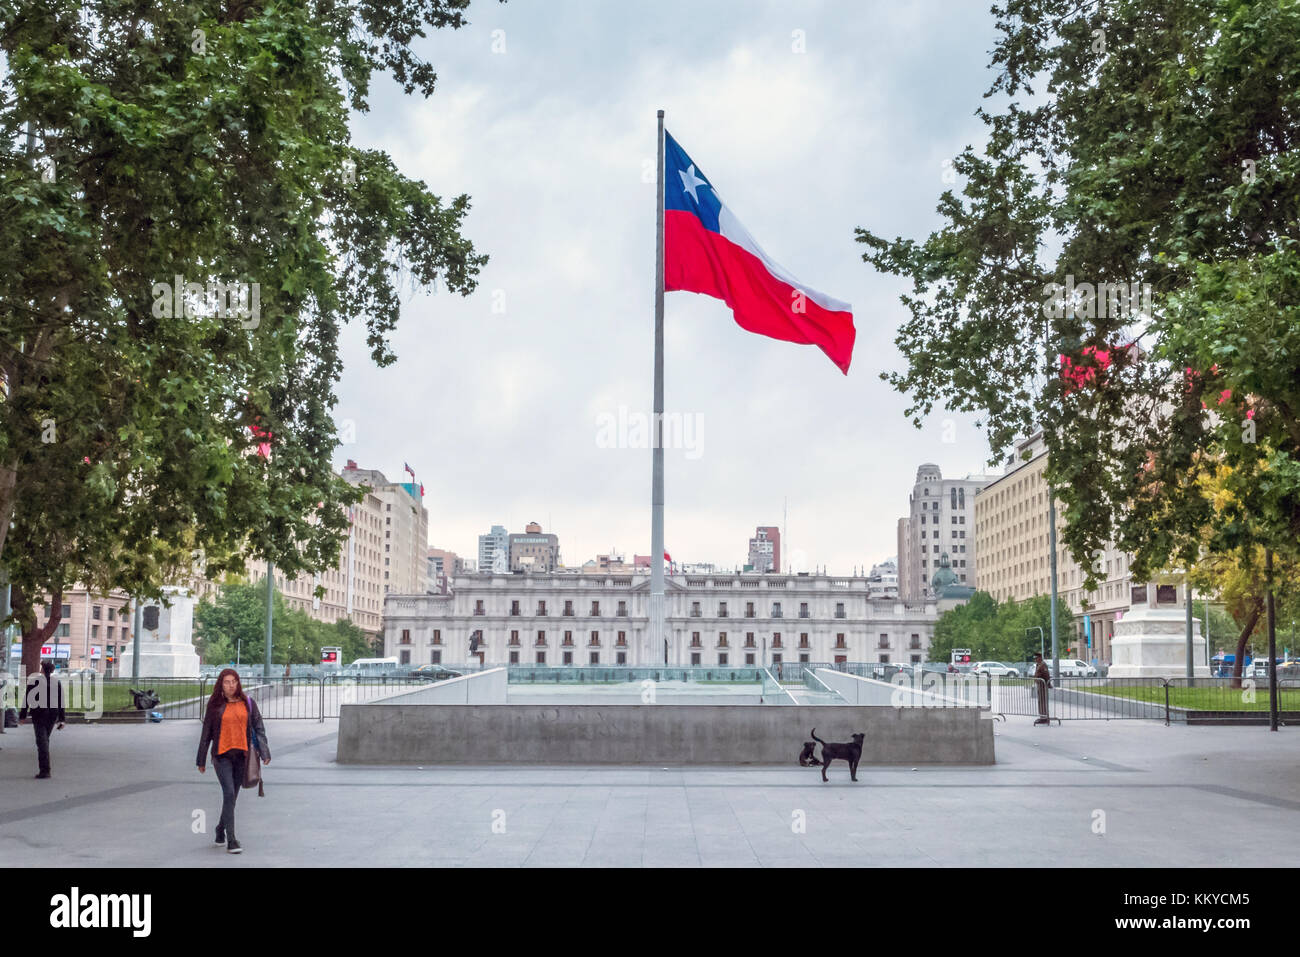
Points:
(1043, 679)
(231, 724)
(43, 703)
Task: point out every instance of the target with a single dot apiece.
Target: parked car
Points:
(434, 673)
(1074, 668)
(995, 668)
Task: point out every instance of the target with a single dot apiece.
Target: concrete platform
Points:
(388, 732)
(1176, 796)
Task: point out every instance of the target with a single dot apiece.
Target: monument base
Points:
(1152, 643)
(161, 659)
(166, 645)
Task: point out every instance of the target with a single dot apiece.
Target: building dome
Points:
(944, 576)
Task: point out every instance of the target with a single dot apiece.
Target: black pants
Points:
(230, 772)
(43, 744)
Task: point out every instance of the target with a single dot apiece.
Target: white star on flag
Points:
(690, 181)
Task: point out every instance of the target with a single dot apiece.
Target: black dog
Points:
(851, 753)
(806, 757)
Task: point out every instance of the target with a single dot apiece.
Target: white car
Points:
(995, 668)
(1074, 668)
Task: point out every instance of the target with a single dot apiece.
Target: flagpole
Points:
(655, 631)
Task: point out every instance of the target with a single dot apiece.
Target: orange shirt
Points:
(234, 728)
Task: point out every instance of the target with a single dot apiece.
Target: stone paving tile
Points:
(130, 795)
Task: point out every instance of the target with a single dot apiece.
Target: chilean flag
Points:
(706, 250)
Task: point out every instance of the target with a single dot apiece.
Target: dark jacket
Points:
(212, 732)
(43, 701)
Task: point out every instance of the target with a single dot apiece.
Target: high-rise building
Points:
(765, 549)
(354, 588)
(534, 550)
(495, 542)
(907, 560)
(941, 521)
(1011, 535)
(406, 530)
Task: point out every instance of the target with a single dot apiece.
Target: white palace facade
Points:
(730, 619)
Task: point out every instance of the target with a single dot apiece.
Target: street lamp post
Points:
(1042, 641)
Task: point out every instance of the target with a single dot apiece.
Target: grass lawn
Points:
(115, 695)
(1219, 696)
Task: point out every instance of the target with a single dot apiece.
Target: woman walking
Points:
(231, 723)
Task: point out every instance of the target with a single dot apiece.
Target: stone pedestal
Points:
(1152, 643)
(167, 649)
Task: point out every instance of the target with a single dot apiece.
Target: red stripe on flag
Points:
(699, 260)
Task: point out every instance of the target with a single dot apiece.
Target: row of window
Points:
(956, 520)
(567, 611)
(621, 640)
(723, 612)
(620, 657)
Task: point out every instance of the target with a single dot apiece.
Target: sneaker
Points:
(232, 847)
(43, 774)
(221, 835)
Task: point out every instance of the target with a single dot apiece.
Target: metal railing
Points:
(1186, 700)
(320, 696)
(774, 692)
(297, 696)
(616, 674)
(814, 684)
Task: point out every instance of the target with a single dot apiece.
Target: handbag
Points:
(253, 766)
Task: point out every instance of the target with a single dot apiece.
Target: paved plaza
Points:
(1173, 796)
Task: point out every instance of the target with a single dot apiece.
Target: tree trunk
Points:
(8, 484)
(15, 377)
(1246, 632)
(33, 635)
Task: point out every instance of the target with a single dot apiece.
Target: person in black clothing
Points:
(43, 702)
(1043, 681)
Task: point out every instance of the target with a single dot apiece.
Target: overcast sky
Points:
(500, 411)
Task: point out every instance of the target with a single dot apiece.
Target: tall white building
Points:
(495, 542)
(729, 619)
(405, 528)
(940, 520)
(354, 588)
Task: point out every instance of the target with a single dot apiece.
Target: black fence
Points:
(297, 696)
(1184, 700)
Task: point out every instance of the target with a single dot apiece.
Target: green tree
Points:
(1153, 142)
(149, 147)
(998, 631)
(1239, 581)
(234, 620)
